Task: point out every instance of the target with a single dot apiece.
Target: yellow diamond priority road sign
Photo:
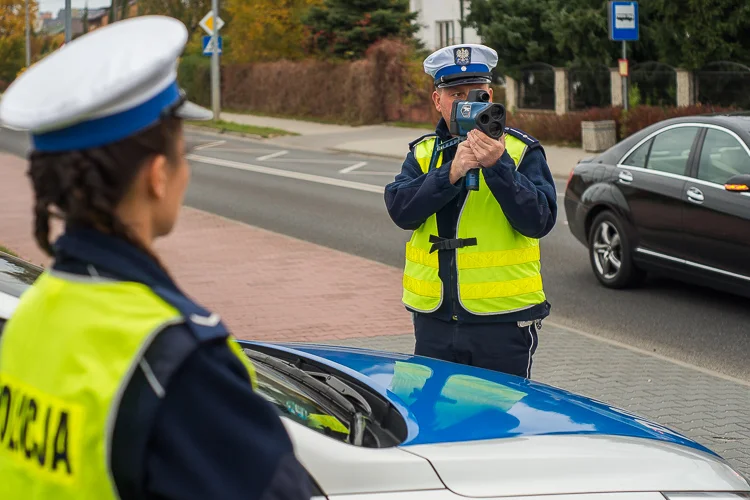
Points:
(207, 23)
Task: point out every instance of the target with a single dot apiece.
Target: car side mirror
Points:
(738, 183)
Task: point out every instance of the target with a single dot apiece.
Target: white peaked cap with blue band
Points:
(461, 65)
(103, 87)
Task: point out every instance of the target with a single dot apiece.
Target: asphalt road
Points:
(336, 200)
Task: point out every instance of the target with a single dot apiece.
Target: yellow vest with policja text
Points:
(66, 356)
(500, 274)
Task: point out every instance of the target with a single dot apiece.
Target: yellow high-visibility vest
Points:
(66, 357)
(500, 274)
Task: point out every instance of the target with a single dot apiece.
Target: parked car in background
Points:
(673, 198)
(375, 425)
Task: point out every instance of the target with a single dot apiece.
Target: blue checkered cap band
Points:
(474, 60)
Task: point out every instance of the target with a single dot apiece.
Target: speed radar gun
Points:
(476, 112)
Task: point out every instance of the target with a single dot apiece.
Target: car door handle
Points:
(695, 195)
(626, 177)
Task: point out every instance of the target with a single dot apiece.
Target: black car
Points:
(674, 198)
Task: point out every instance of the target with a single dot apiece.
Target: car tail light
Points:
(570, 176)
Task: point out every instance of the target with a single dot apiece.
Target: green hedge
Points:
(194, 76)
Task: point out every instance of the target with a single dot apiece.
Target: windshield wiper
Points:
(332, 388)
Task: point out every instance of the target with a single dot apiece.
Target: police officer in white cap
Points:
(472, 277)
(113, 383)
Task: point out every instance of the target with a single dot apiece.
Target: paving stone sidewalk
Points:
(712, 410)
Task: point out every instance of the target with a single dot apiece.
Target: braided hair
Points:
(84, 187)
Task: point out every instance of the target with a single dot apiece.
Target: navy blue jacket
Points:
(208, 435)
(526, 194)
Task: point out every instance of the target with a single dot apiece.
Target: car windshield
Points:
(298, 403)
(15, 275)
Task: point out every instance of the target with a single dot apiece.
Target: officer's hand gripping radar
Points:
(477, 112)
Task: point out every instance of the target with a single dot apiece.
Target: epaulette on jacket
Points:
(522, 136)
(412, 144)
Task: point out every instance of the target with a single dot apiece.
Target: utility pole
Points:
(28, 37)
(461, 5)
(215, 67)
(68, 21)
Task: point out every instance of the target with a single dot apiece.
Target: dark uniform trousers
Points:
(505, 347)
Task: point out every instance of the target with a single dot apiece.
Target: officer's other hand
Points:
(486, 149)
(462, 162)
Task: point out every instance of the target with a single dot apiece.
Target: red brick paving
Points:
(266, 286)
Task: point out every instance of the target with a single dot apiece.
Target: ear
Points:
(157, 176)
(436, 99)
(489, 89)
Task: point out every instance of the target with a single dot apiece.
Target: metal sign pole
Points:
(215, 80)
(625, 78)
(28, 36)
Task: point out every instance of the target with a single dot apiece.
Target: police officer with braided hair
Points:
(472, 277)
(114, 383)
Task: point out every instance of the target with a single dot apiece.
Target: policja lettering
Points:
(36, 430)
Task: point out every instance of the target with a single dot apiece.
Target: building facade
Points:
(440, 23)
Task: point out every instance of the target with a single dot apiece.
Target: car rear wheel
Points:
(610, 253)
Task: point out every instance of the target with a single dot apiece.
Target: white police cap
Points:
(461, 65)
(102, 87)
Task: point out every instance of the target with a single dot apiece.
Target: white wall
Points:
(433, 11)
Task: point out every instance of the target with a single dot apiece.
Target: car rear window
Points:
(16, 275)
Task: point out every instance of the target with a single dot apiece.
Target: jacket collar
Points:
(110, 255)
(442, 130)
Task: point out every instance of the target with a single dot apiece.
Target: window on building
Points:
(446, 33)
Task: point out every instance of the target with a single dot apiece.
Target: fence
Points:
(723, 83)
(537, 87)
(589, 87)
(655, 83)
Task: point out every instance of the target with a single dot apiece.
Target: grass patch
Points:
(290, 116)
(225, 126)
(425, 125)
(8, 251)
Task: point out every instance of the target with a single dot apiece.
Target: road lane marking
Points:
(319, 179)
(272, 155)
(323, 162)
(390, 174)
(209, 145)
(353, 167)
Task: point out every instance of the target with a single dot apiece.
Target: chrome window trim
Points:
(622, 165)
(736, 138)
(691, 263)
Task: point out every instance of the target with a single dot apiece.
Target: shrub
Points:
(383, 86)
(194, 76)
(566, 129)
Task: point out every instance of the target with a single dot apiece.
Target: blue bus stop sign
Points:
(623, 21)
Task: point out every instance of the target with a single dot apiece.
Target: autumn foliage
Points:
(266, 30)
(12, 38)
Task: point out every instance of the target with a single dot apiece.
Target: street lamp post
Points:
(461, 5)
(28, 36)
(68, 21)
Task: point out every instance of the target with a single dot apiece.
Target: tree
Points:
(85, 20)
(189, 12)
(516, 29)
(692, 33)
(13, 37)
(347, 28)
(266, 30)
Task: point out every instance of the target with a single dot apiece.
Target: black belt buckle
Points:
(439, 243)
